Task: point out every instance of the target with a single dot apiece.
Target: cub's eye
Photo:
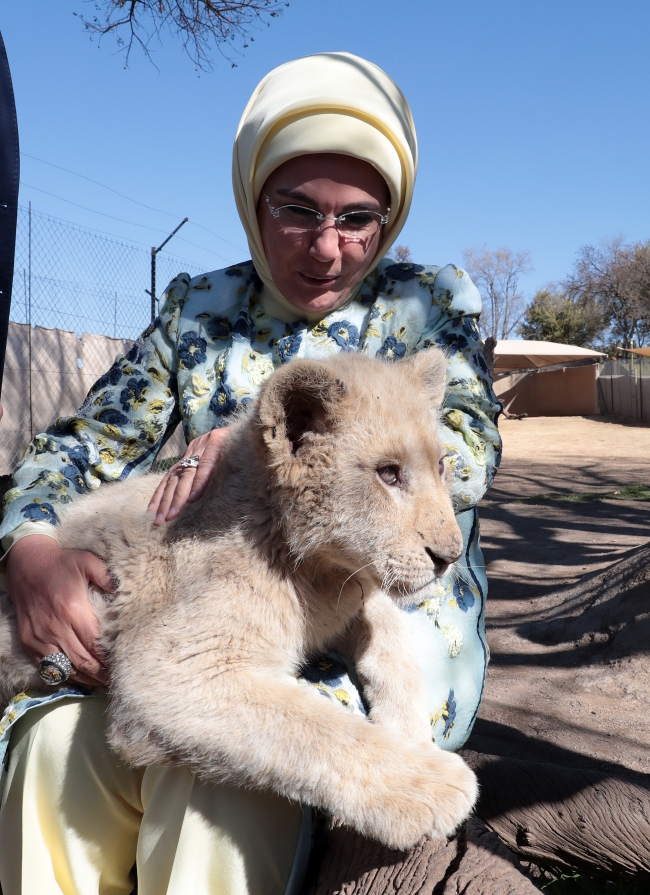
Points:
(441, 467)
(389, 474)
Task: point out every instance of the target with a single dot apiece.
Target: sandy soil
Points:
(571, 453)
(587, 707)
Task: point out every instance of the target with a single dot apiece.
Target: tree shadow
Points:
(570, 537)
(504, 741)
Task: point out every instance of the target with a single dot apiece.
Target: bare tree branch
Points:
(496, 273)
(616, 278)
(200, 24)
(401, 254)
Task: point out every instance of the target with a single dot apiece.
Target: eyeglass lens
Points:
(297, 217)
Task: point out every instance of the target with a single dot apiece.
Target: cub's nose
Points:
(440, 564)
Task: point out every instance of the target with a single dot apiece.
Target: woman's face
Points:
(317, 270)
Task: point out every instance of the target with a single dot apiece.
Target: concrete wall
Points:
(571, 391)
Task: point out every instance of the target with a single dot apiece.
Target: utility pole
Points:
(154, 252)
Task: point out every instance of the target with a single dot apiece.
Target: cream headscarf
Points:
(330, 102)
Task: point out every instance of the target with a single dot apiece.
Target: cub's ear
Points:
(430, 367)
(300, 398)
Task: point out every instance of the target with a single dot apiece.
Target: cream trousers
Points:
(75, 820)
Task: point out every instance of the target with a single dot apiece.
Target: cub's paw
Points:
(431, 795)
(453, 795)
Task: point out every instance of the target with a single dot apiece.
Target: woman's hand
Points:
(48, 587)
(184, 485)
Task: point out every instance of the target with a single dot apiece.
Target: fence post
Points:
(154, 252)
(153, 283)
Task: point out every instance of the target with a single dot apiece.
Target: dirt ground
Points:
(579, 703)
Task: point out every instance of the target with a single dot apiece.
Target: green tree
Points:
(554, 317)
(200, 24)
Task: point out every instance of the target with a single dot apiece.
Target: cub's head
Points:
(356, 468)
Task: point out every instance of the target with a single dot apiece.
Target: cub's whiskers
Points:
(346, 581)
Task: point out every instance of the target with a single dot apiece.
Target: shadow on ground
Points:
(579, 686)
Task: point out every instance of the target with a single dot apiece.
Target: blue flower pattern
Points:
(392, 349)
(223, 402)
(345, 334)
(71, 474)
(463, 594)
(219, 328)
(112, 417)
(191, 350)
(40, 512)
(289, 346)
(133, 394)
(449, 714)
(208, 354)
(403, 271)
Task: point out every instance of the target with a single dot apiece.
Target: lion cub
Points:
(328, 507)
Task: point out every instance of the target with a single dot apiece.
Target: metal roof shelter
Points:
(522, 354)
(643, 352)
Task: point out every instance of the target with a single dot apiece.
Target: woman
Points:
(323, 170)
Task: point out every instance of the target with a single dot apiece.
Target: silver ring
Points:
(189, 462)
(55, 669)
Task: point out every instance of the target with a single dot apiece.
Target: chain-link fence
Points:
(79, 298)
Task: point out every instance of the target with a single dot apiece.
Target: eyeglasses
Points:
(350, 225)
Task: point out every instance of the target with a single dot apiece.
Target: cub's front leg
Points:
(262, 728)
(381, 647)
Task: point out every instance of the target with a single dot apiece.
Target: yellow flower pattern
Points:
(207, 355)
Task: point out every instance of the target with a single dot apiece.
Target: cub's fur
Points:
(328, 507)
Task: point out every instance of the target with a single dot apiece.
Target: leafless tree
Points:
(616, 278)
(401, 254)
(200, 24)
(496, 273)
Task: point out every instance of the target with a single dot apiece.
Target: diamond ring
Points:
(189, 462)
(55, 669)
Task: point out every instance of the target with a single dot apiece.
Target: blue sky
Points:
(532, 119)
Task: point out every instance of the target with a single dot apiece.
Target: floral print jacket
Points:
(207, 354)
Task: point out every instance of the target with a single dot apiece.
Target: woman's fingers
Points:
(86, 669)
(177, 489)
(207, 463)
(97, 572)
(87, 662)
(154, 503)
(85, 624)
(49, 589)
(77, 676)
(62, 637)
(81, 626)
(187, 484)
(164, 493)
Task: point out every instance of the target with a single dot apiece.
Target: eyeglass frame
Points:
(276, 209)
